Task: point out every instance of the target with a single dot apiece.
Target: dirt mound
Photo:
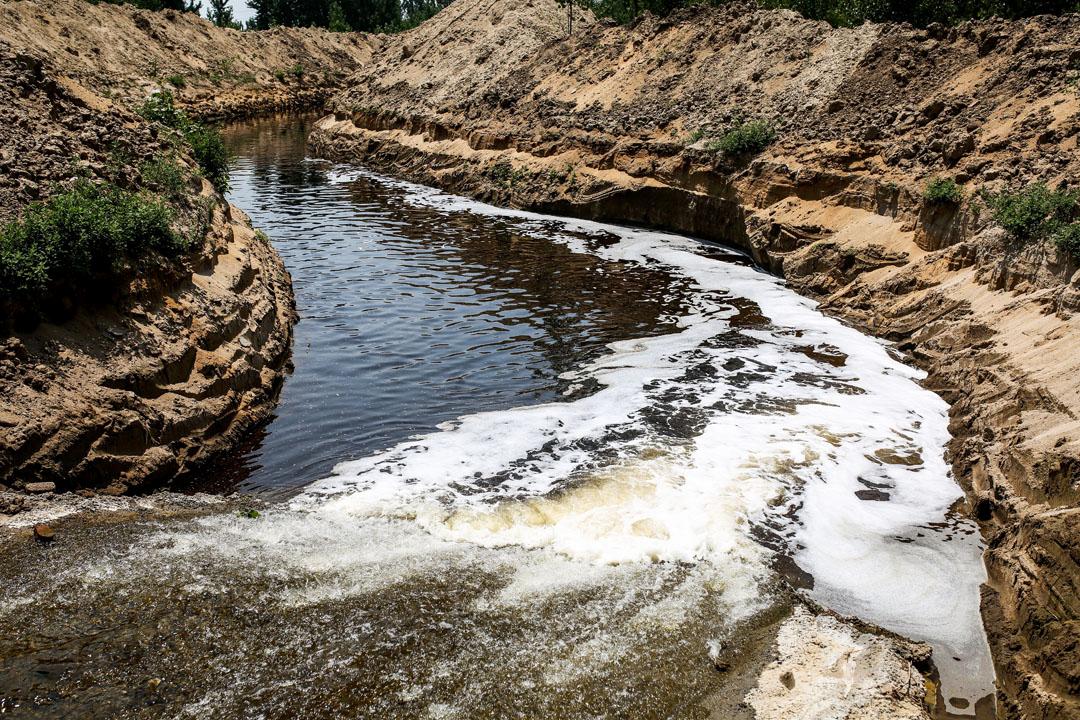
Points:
(124, 53)
(459, 57)
(624, 124)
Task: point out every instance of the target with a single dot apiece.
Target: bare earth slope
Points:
(169, 370)
(162, 369)
(615, 123)
(124, 53)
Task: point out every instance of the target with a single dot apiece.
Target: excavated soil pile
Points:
(124, 53)
(154, 371)
(492, 99)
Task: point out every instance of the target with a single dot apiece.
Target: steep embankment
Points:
(159, 368)
(124, 53)
(492, 100)
(160, 371)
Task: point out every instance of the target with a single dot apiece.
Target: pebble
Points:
(44, 533)
(40, 487)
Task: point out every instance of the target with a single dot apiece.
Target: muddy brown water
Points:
(524, 467)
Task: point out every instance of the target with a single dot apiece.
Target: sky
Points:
(241, 11)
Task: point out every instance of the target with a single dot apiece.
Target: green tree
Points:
(848, 13)
(220, 13)
(337, 18)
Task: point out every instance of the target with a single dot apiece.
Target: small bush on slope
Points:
(206, 143)
(81, 235)
(1037, 214)
(942, 191)
(746, 139)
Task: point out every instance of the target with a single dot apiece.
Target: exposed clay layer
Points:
(153, 372)
(602, 126)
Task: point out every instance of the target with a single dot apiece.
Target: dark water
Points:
(410, 317)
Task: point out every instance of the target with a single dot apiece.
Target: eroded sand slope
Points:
(154, 372)
(124, 53)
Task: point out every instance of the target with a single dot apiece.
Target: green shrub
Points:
(78, 235)
(501, 172)
(211, 154)
(297, 71)
(206, 142)
(1037, 214)
(177, 81)
(1033, 213)
(943, 191)
(165, 176)
(161, 108)
(280, 75)
(1068, 239)
(746, 139)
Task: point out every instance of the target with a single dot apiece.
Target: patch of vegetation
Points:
(747, 138)
(177, 81)
(343, 15)
(1037, 214)
(224, 69)
(192, 6)
(164, 175)
(943, 191)
(695, 136)
(1072, 80)
(1068, 239)
(296, 71)
(206, 142)
(211, 154)
(520, 175)
(80, 235)
(501, 172)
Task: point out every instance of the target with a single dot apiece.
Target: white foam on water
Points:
(800, 434)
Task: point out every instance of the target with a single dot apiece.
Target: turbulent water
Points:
(526, 466)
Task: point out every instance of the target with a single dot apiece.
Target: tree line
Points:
(337, 15)
(397, 15)
(848, 13)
